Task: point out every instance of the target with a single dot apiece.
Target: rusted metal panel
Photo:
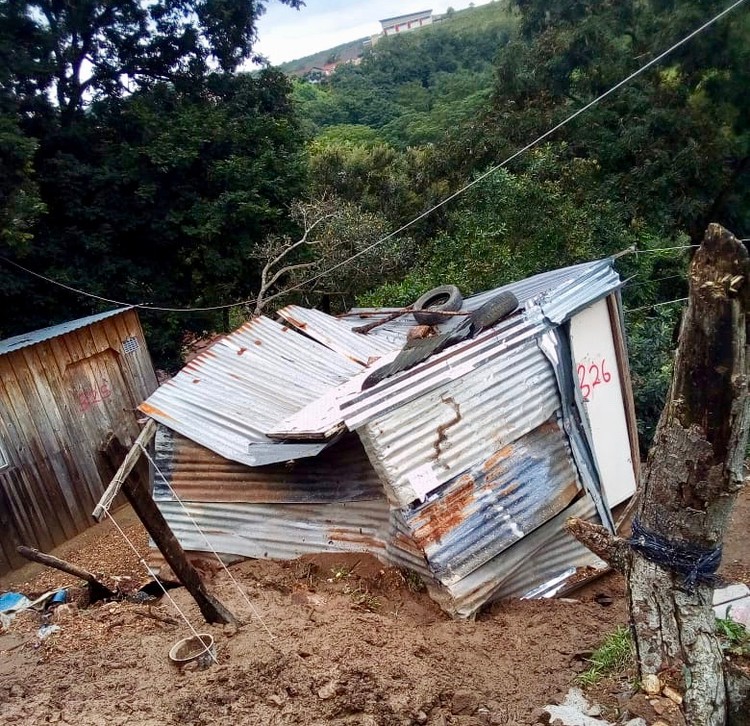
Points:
(430, 440)
(61, 391)
(234, 392)
(197, 474)
(533, 567)
(281, 531)
(496, 503)
(337, 334)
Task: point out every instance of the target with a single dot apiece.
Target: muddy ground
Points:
(340, 640)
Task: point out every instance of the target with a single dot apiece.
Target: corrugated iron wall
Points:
(58, 399)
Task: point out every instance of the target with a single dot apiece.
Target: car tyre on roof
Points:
(427, 309)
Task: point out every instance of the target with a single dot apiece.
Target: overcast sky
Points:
(287, 34)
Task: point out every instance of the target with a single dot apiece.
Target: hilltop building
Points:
(406, 23)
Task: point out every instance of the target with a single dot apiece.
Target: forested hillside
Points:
(139, 165)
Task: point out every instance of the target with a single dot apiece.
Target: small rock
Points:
(636, 722)
(594, 710)
(420, 717)
(16, 691)
(484, 714)
(651, 684)
(465, 702)
(327, 691)
(672, 695)
(276, 699)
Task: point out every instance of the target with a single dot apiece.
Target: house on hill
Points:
(406, 23)
(63, 389)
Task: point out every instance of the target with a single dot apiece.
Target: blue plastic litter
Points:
(13, 601)
(59, 597)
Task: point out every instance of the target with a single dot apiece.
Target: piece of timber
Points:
(143, 440)
(137, 492)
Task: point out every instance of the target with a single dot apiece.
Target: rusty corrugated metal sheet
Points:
(337, 334)
(234, 392)
(196, 474)
(496, 503)
(463, 422)
(281, 531)
(543, 556)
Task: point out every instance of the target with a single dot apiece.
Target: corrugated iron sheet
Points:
(281, 531)
(197, 474)
(525, 291)
(337, 334)
(543, 556)
(496, 503)
(234, 392)
(37, 336)
(462, 423)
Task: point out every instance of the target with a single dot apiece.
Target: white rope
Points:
(161, 585)
(655, 305)
(208, 542)
(667, 249)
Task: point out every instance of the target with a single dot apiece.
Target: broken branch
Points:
(615, 551)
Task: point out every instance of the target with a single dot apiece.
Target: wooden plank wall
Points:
(58, 399)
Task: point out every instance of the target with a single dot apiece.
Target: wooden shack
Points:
(62, 390)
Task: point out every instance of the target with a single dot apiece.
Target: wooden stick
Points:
(143, 440)
(99, 591)
(138, 494)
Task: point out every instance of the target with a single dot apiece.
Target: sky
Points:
(286, 34)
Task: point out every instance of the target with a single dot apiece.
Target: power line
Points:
(142, 306)
(426, 213)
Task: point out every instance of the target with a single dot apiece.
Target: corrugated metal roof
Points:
(228, 397)
(337, 334)
(559, 294)
(525, 291)
(37, 336)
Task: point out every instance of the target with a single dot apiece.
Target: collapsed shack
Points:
(462, 468)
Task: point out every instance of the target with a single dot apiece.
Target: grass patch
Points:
(613, 656)
(733, 636)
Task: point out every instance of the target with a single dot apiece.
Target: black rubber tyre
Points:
(493, 311)
(427, 309)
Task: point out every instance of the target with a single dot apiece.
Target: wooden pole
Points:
(99, 591)
(138, 494)
(690, 483)
(144, 439)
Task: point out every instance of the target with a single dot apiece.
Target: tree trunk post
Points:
(692, 477)
(139, 496)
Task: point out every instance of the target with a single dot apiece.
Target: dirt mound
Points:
(352, 642)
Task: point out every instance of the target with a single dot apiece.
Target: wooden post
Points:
(98, 590)
(144, 439)
(138, 494)
(691, 480)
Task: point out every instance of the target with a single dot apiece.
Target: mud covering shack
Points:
(462, 468)
(62, 390)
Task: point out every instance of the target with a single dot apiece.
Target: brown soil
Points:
(353, 643)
